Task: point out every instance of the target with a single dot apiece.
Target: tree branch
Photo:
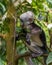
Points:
(27, 54)
(18, 2)
(29, 60)
(3, 35)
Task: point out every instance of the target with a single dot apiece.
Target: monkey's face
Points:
(27, 18)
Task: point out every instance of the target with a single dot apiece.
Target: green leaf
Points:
(2, 9)
(50, 1)
(49, 59)
(1, 62)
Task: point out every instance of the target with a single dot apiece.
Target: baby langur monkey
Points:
(35, 38)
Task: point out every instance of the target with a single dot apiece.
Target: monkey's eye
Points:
(30, 19)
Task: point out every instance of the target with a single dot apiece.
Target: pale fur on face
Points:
(26, 16)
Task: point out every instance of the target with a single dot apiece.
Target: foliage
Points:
(49, 59)
(39, 7)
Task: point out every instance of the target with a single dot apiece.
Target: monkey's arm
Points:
(35, 49)
(43, 39)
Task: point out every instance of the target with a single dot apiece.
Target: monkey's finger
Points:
(34, 49)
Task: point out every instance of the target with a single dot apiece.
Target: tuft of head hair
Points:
(25, 17)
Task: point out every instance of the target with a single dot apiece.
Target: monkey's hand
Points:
(34, 49)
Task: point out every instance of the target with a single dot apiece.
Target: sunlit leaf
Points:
(1, 62)
(49, 59)
(50, 1)
(30, 1)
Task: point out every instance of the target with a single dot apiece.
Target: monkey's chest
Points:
(34, 35)
(36, 40)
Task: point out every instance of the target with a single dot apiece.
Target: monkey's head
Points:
(27, 17)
